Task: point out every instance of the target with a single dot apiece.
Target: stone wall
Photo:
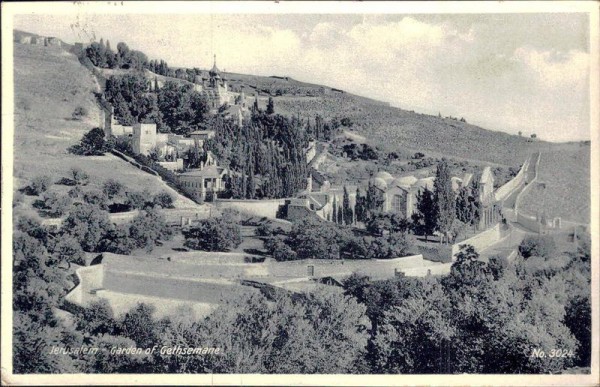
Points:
(263, 208)
(515, 183)
(529, 222)
(480, 241)
(90, 278)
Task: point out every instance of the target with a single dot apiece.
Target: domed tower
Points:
(215, 74)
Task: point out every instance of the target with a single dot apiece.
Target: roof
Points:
(211, 171)
(405, 181)
(206, 132)
(215, 70)
(384, 175)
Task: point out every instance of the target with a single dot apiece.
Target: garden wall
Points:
(515, 183)
(260, 208)
(480, 241)
(90, 278)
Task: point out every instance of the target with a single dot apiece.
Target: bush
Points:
(39, 184)
(79, 112)
(537, 246)
(214, 234)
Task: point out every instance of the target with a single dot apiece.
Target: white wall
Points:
(260, 208)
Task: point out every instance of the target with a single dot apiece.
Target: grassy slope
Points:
(49, 84)
(395, 129)
(566, 175)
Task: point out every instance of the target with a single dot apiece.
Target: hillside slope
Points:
(563, 185)
(49, 84)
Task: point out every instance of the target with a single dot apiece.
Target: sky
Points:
(512, 72)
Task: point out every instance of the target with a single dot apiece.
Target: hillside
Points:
(49, 84)
(563, 185)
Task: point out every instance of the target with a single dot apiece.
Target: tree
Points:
(117, 241)
(214, 234)
(537, 246)
(139, 325)
(163, 199)
(93, 143)
(56, 205)
(112, 188)
(359, 207)
(444, 198)
(97, 198)
(424, 218)
(87, 224)
(270, 106)
(391, 246)
(147, 228)
(67, 249)
(347, 211)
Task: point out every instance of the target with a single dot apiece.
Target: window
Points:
(399, 204)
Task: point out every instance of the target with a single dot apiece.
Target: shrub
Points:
(39, 184)
(538, 246)
(79, 112)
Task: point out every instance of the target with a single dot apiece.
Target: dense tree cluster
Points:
(101, 55)
(478, 319)
(315, 239)
(266, 156)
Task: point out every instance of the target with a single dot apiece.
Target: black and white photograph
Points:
(300, 193)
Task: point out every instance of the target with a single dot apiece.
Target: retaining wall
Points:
(263, 208)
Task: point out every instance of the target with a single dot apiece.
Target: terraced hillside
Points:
(49, 84)
(563, 185)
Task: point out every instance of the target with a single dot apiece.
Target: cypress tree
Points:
(444, 198)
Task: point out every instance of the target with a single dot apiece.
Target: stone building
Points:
(144, 138)
(204, 183)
